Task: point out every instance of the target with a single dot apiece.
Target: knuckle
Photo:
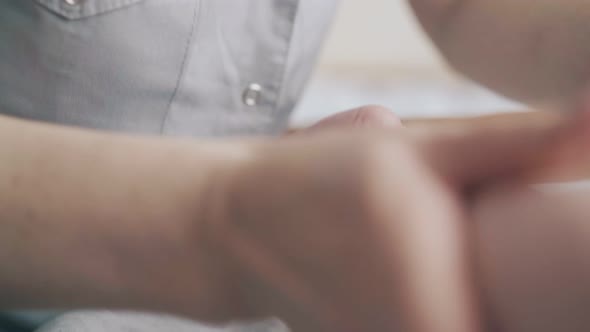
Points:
(374, 114)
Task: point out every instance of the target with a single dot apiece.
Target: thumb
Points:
(368, 117)
(472, 151)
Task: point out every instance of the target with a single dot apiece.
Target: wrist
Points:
(190, 273)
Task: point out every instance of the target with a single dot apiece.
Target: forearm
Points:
(533, 50)
(95, 220)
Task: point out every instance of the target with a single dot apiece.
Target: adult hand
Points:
(363, 230)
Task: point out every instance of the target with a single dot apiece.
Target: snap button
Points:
(72, 2)
(251, 95)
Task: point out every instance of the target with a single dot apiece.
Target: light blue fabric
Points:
(103, 321)
(175, 67)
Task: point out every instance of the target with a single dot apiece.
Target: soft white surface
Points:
(407, 97)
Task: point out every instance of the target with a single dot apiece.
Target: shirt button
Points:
(72, 2)
(251, 95)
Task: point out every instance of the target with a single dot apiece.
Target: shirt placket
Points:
(236, 85)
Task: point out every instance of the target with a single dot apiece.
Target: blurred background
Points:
(376, 53)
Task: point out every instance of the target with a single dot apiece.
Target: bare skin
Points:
(220, 230)
(529, 247)
(532, 50)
